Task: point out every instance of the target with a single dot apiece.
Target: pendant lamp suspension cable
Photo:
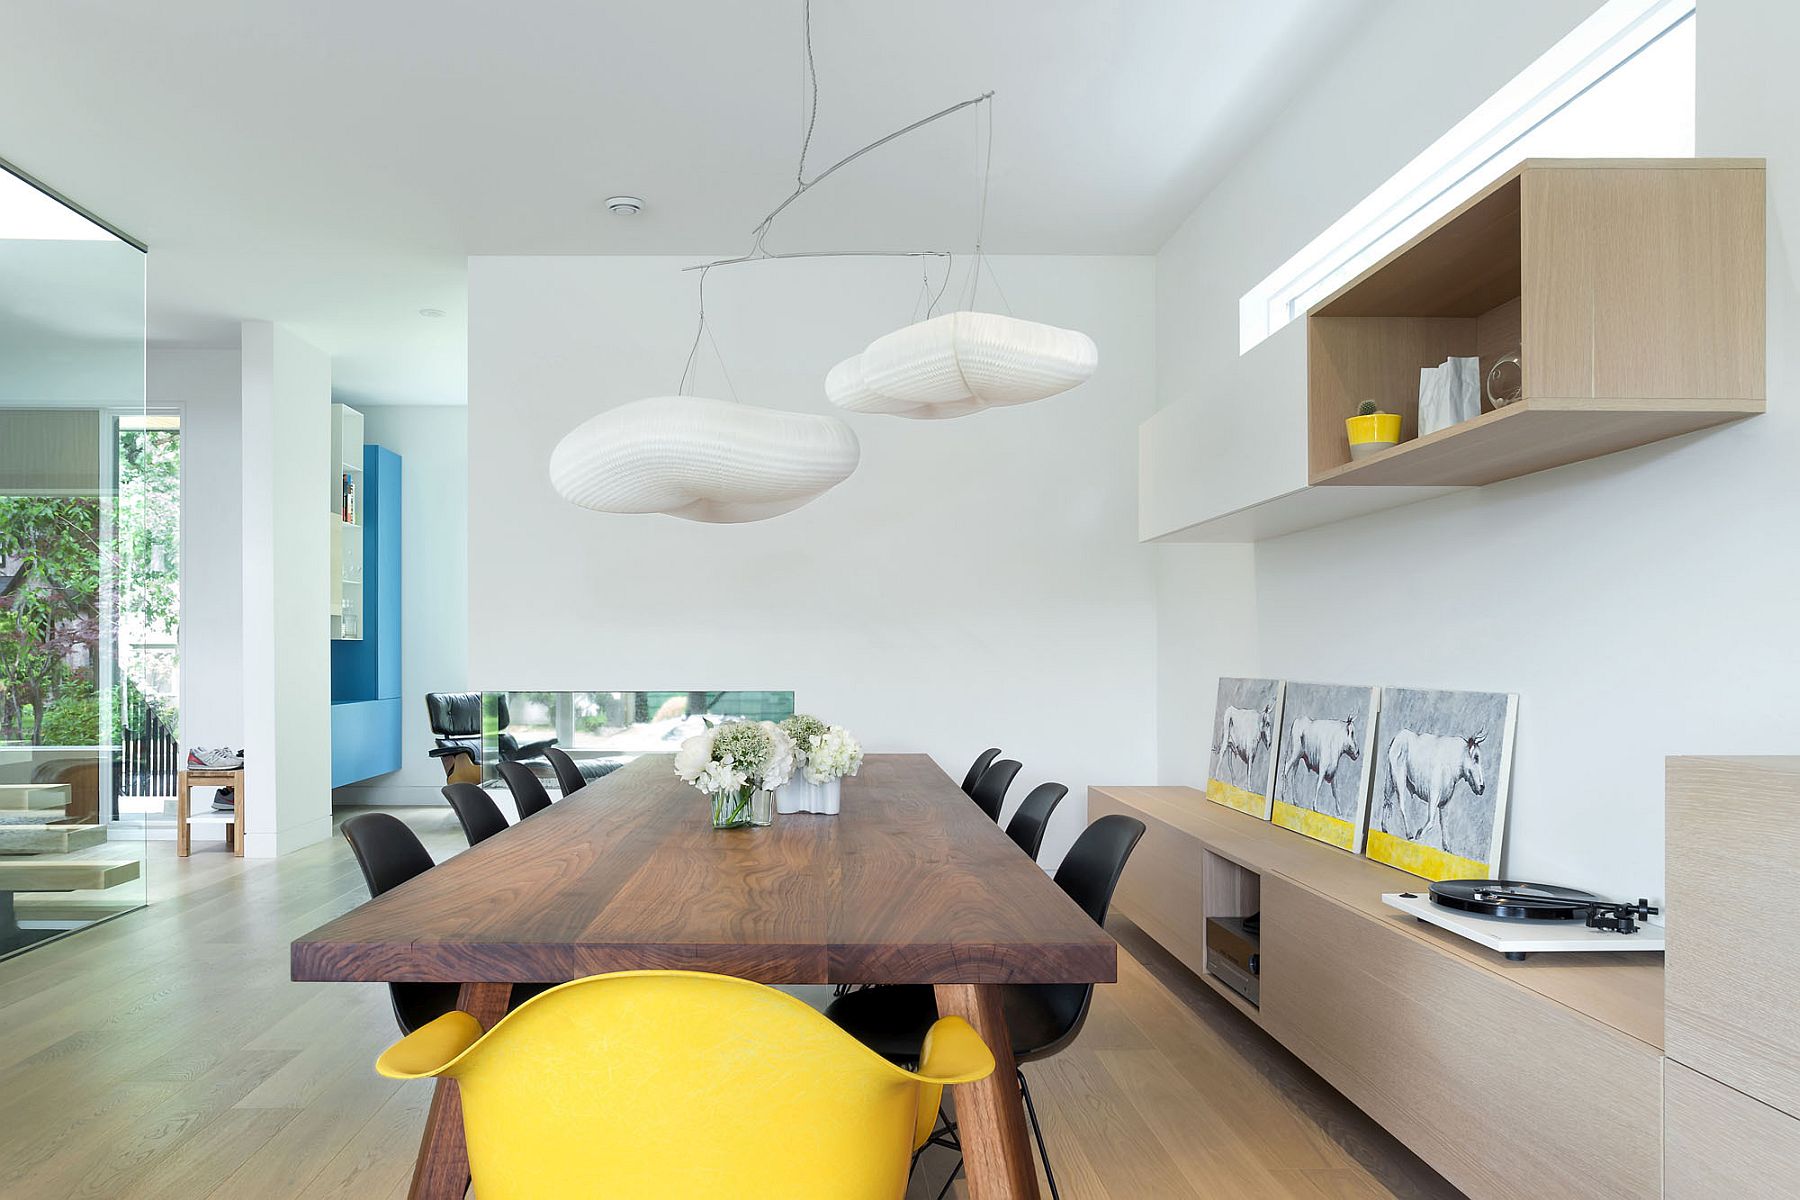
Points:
(703, 328)
(759, 252)
(926, 296)
(812, 91)
(802, 184)
(985, 156)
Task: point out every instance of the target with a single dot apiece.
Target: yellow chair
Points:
(678, 1084)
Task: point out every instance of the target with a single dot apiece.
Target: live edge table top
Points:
(911, 883)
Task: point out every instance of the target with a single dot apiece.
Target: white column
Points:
(287, 630)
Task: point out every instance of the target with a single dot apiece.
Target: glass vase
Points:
(749, 805)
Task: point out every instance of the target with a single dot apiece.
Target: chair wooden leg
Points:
(441, 1171)
(237, 815)
(183, 798)
(990, 1113)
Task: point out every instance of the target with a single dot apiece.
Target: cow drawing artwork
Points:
(1320, 746)
(1428, 767)
(1442, 762)
(1325, 747)
(1246, 726)
(1246, 733)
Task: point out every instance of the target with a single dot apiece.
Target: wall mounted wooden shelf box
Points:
(1633, 290)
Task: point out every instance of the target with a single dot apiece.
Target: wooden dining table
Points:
(911, 883)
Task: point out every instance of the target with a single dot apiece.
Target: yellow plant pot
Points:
(1372, 434)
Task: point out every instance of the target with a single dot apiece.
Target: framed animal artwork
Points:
(1243, 746)
(1443, 762)
(1323, 759)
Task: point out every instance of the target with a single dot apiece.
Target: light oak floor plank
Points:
(165, 1056)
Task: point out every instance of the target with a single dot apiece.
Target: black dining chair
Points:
(1042, 1018)
(481, 818)
(568, 775)
(389, 854)
(990, 789)
(1033, 817)
(527, 792)
(977, 767)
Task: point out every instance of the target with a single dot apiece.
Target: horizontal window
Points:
(1621, 85)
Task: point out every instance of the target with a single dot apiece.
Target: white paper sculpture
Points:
(702, 459)
(1449, 394)
(959, 363)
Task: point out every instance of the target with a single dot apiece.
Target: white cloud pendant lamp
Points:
(959, 363)
(702, 459)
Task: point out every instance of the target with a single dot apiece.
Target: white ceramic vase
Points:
(799, 796)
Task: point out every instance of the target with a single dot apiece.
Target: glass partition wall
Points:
(86, 560)
(603, 731)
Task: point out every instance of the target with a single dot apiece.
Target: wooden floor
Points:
(165, 1054)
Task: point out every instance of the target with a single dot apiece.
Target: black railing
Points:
(149, 755)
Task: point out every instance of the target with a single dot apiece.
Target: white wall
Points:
(433, 444)
(205, 385)
(975, 582)
(1640, 604)
(286, 590)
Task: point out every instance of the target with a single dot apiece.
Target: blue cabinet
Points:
(365, 674)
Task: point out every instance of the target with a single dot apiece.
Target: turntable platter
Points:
(1514, 900)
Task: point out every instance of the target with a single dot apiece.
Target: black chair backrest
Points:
(454, 714)
(526, 791)
(1091, 869)
(977, 767)
(568, 775)
(481, 818)
(990, 789)
(1088, 874)
(389, 854)
(1032, 817)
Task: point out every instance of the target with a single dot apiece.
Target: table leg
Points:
(441, 1171)
(990, 1114)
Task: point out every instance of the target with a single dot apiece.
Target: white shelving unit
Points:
(346, 516)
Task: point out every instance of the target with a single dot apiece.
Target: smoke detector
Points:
(624, 206)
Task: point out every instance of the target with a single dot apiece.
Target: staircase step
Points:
(34, 816)
(49, 839)
(17, 797)
(64, 875)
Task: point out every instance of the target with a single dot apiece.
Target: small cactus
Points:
(1367, 408)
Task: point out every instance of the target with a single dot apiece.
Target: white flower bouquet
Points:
(737, 764)
(825, 755)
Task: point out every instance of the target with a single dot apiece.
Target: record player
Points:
(1519, 918)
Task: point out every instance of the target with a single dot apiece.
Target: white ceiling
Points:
(331, 163)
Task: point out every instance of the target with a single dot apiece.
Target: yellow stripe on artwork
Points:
(1423, 860)
(1317, 825)
(1220, 792)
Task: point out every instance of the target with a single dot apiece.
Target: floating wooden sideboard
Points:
(1732, 1079)
(1632, 289)
(1541, 1077)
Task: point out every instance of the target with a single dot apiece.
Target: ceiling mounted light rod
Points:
(744, 258)
(807, 184)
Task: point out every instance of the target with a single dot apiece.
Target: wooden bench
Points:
(233, 778)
